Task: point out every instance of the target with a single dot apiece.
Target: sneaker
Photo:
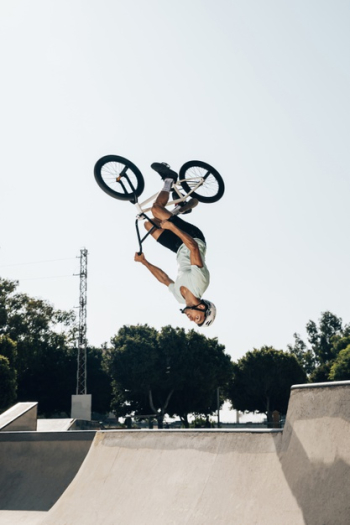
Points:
(164, 170)
(185, 207)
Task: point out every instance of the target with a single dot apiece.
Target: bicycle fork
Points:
(144, 216)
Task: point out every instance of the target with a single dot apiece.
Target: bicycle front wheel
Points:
(205, 183)
(119, 178)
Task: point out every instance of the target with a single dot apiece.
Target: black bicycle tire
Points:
(213, 172)
(123, 196)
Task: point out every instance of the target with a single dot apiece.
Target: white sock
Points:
(167, 184)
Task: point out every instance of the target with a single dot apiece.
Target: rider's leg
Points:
(158, 209)
(168, 239)
(156, 231)
(160, 213)
(169, 177)
(162, 198)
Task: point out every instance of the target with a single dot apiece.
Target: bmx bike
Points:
(122, 180)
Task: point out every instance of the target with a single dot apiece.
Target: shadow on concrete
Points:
(37, 467)
(315, 454)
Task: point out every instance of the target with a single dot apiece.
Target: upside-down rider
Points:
(188, 242)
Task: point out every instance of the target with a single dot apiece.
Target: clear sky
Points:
(258, 89)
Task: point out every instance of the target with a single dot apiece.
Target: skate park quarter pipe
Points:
(295, 476)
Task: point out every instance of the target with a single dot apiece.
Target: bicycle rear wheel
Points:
(207, 184)
(119, 178)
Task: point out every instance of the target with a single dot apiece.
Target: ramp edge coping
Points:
(322, 385)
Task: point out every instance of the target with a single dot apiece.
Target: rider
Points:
(188, 242)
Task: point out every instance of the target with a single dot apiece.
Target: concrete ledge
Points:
(329, 384)
(197, 430)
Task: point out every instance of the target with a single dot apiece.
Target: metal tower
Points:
(82, 341)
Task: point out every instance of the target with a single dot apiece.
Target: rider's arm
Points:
(189, 242)
(161, 276)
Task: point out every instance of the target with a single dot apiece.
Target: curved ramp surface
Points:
(295, 477)
(298, 476)
(35, 469)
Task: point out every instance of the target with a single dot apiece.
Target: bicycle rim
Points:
(205, 183)
(118, 177)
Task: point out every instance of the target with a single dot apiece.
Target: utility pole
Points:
(82, 341)
(81, 401)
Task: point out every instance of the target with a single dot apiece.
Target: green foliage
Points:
(98, 380)
(41, 335)
(303, 354)
(38, 340)
(325, 344)
(7, 384)
(8, 348)
(321, 338)
(202, 367)
(168, 371)
(130, 362)
(340, 370)
(262, 380)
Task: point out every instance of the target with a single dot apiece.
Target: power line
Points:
(36, 262)
(47, 277)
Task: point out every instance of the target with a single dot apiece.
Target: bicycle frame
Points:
(143, 209)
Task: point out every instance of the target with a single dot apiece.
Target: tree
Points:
(8, 348)
(167, 372)
(42, 336)
(7, 383)
(203, 367)
(340, 369)
(39, 340)
(317, 359)
(29, 322)
(98, 380)
(8, 374)
(262, 379)
(131, 362)
(303, 354)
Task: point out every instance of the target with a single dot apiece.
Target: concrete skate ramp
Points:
(296, 477)
(21, 417)
(35, 469)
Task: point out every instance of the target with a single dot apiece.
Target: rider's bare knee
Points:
(156, 208)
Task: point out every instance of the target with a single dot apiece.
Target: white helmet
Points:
(210, 313)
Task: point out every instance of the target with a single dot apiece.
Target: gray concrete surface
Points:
(298, 476)
(20, 417)
(46, 425)
(35, 469)
(295, 477)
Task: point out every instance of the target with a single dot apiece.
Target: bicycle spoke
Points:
(112, 171)
(202, 181)
(209, 186)
(119, 177)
